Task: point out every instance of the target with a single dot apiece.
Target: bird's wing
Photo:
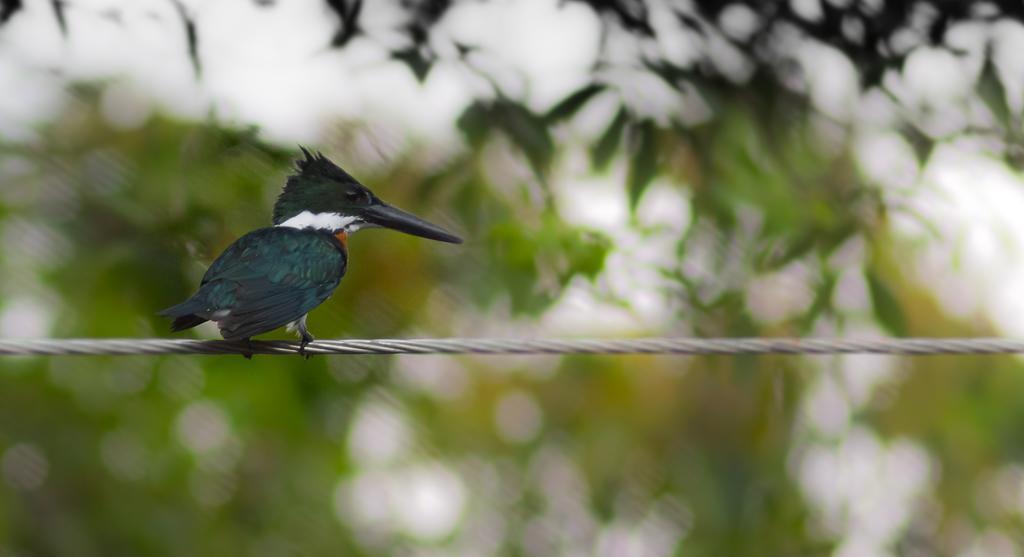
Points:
(271, 277)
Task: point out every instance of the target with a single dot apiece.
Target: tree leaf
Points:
(992, 92)
(528, 131)
(601, 154)
(474, 123)
(8, 8)
(644, 164)
(525, 129)
(415, 61)
(887, 306)
(568, 106)
(348, 12)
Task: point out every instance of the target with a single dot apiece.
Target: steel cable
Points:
(681, 346)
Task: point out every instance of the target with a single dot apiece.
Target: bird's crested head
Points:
(322, 195)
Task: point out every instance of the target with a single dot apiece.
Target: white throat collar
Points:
(324, 221)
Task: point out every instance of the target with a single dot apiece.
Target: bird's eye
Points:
(356, 196)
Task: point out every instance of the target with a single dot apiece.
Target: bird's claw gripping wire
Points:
(247, 354)
(306, 339)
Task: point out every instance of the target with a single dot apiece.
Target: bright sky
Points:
(259, 70)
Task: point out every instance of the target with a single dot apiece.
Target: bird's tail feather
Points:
(186, 322)
(184, 315)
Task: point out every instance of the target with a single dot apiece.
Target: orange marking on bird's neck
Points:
(342, 237)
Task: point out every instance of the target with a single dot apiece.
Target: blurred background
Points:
(620, 168)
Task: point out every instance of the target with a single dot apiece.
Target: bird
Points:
(274, 276)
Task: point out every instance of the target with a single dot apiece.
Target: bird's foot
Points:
(248, 354)
(306, 339)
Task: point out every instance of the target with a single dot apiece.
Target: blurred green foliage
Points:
(281, 456)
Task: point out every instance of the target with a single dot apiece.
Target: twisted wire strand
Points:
(654, 345)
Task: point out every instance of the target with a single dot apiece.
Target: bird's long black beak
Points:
(382, 214)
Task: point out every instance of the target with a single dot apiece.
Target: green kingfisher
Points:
(273, 277)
